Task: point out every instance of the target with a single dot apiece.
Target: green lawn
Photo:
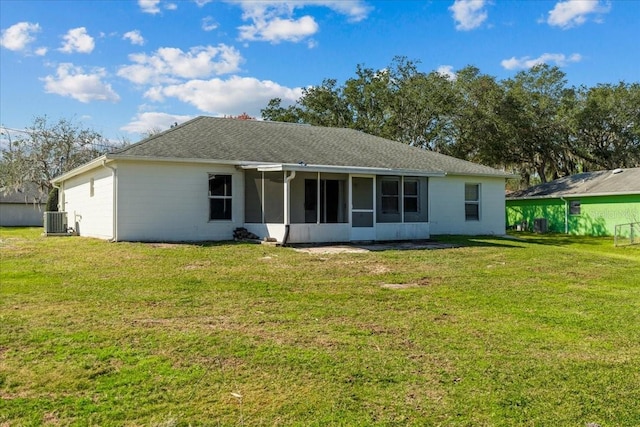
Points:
(539, 332)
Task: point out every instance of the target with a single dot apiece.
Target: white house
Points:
(296, 183)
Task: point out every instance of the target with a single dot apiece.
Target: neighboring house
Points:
(293, 183)
(22, 208)
(590, 203)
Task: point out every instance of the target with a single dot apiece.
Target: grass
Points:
(543, 331)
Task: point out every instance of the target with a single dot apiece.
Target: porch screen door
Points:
(362, 208)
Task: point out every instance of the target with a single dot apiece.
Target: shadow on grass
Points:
(516, 239)
(555, 239)
(482, 241)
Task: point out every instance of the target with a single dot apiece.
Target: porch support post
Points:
(350, 200)
(401, 198)
(318, 202)
(287, 197)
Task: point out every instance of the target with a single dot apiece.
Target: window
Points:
(472, 202)
(92, 188)
(401, 199)
(220, 197)
(574, 207)
(390, 196)
(411, 192)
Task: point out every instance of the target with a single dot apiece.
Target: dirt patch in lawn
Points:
(424, 281)
(370, 247)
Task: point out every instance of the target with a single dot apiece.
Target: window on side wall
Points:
(574, 207)
(220, 197)
(472, 202)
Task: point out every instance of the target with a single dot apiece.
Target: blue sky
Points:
(124, 67)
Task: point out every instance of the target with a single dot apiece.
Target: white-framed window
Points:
(92, 188)
(472, 202)
(220, 197)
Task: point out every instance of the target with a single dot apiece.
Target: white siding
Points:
(159, 201)
(90, 216)
(169, 202)
(446, 201)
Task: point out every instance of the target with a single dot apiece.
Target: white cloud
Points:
(41, 51)
(153, 6)
(527, 62)
(469, 14)
(572, 13)
(356, 11)
(273, 20)
(447, 71)
(201, 3)
(208, 24)
(277, 29)
(77, 40)
(149, 6)
(154, 94)
(18, 36)
(73, 82)
(167, 64)
(229, 97)
(134, 37)
(145, 122)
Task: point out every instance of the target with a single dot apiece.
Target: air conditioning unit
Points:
(540, 225)
(55, 223)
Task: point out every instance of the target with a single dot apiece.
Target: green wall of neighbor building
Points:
(598, 214)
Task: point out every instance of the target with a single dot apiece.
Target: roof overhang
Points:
(81, 169)
(269, 167)
(277, 167)
(504, 175)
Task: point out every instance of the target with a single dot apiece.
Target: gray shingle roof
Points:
(28, 195)
(239, 141)
(619, 181)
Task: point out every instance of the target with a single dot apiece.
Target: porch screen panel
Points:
(324, 200)
(274, 197)
(362, 219)
(252, 196)
(362, 202)
(310, 201)
(409, 193)
(388, 194)
(362, 195)
(416, 199)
